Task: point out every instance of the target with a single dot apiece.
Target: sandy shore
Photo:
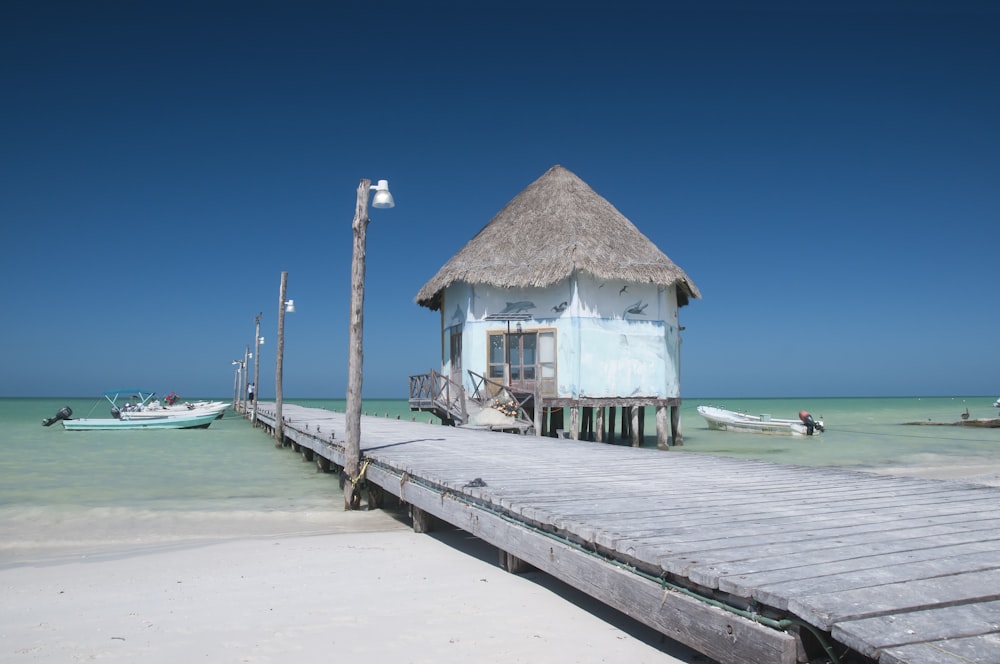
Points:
(370, 587)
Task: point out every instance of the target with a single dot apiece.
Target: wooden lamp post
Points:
(257, 341)
(283, 306)
(236, 383)
(352, 450)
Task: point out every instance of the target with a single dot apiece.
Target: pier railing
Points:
(437, 393)
(490, 393)
(487, 391)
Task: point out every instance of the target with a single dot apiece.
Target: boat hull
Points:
(200, 421)
(217, 408)
(719, 419)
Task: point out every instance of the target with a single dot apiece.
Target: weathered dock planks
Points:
(745, 561)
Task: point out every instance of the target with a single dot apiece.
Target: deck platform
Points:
(744, 561)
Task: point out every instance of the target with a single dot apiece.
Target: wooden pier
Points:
(744, 561)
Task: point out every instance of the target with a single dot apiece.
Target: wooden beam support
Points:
(662, 435)
(634, 429)
(675, 424)
(423, 522)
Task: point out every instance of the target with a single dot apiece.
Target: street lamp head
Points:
(289, 308)
(382, 198)
(260, 341)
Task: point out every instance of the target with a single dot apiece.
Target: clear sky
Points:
(827, 173)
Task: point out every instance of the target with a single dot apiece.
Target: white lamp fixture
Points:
(289, 308)
(382, 198)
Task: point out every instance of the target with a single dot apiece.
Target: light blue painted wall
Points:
(613, 339)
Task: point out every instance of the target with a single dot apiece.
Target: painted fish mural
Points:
(517, 307)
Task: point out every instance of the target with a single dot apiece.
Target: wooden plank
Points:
(738, 568)
(812, 575)
(871, 636)
(825, 610)
(653, 548)
(803, 525)
(982, 648)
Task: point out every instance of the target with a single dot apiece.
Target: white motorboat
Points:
(196, 421)
(137, 409)
(135, 404)
(155, 409)
(721, 419)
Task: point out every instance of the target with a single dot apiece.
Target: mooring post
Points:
(675, 424)
(634, 430)
(662, 436)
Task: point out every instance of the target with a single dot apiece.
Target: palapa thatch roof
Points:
(557, 225)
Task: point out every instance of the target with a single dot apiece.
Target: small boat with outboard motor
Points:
(138, 409)
(721, 419)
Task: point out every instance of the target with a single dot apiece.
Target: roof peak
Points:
(556, 226)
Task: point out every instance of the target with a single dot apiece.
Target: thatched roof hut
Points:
(556, 226)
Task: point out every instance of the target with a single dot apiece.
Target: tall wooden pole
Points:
(246, 377)
(236, 385)
(352, 450)
(279, 428)
(256, 368)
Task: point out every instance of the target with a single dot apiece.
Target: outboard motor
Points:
(64, 414)
(115, 413)
(810, 423)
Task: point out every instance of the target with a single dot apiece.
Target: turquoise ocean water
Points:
(72, 492)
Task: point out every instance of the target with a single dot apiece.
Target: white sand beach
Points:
(370, 587)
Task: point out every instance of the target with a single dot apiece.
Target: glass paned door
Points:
(455, 357)
(523, 361)
(498, 358)
(547, 364)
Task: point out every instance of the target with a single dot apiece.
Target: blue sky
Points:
(827, 173)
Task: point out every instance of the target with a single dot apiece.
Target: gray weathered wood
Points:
(662, 434)
(634, 426)
(981, 648)
(871, 636)
(355, 355)
(279, 438)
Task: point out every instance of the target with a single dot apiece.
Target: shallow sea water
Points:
(80, 492)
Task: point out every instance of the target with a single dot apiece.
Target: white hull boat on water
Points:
(154, 410)
(721, 419)
(136, 409)
(196, 421)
